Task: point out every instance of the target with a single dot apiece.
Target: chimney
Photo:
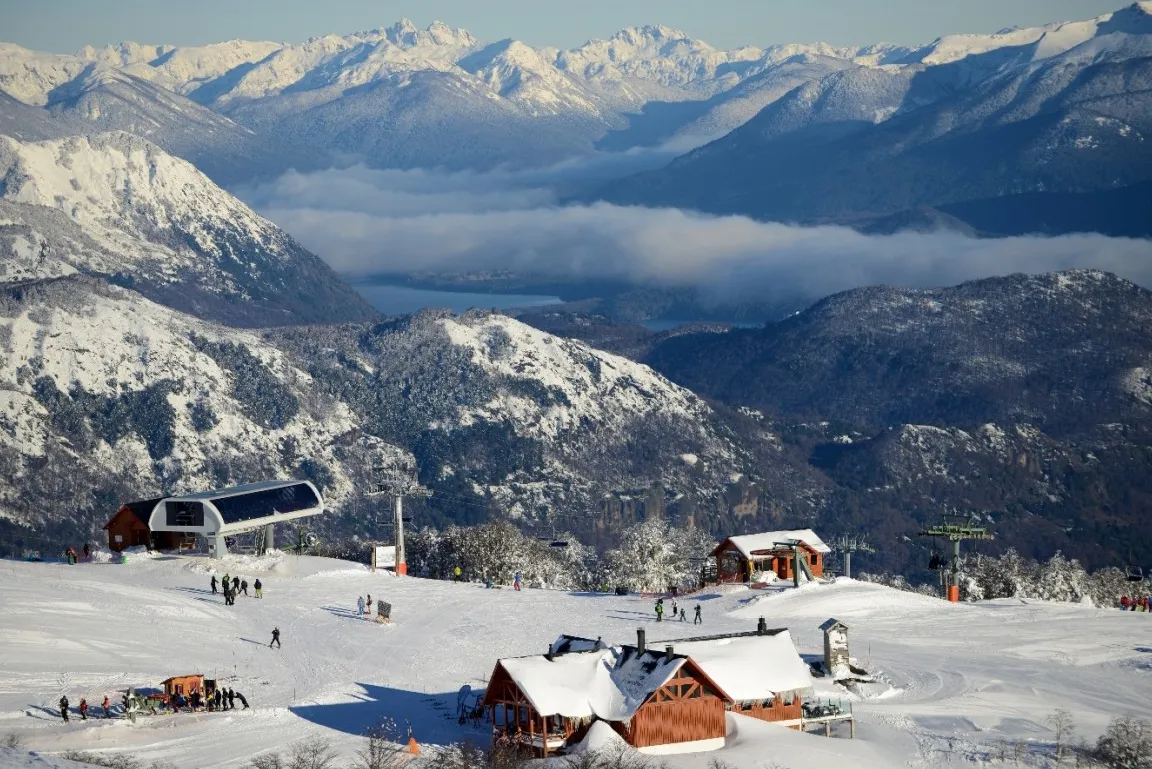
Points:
(640, 645)
(761, 627)
(668, 653)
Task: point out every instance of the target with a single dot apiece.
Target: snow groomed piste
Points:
(956, 683)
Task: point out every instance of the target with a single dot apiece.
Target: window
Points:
(257, 504)
(814, 558)
(186, 514)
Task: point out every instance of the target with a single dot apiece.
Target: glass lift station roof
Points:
(236, 510)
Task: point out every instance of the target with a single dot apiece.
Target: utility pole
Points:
(846, 545)
(398, 481)
(956, 532)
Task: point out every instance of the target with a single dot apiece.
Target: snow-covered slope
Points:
(964, 683)
(160, 224)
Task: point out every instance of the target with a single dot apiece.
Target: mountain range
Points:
(806, 133)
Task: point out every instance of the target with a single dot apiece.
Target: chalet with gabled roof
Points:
(676, 697)
(740, 558)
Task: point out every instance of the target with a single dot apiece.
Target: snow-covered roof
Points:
(568, 644)
(245, 488)
(610, 684)
(751, 667)
(831, 623)
(750, 543)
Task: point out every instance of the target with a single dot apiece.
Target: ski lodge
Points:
(679, 696)
(741, 558)
(129, 528)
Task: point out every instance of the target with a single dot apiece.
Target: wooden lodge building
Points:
(129, 528)
(679, 696)
(741, 558)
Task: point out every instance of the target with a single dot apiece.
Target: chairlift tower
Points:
(398, 481)
(846, 545)
(956, 530)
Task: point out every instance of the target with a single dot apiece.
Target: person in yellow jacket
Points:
(457, 574)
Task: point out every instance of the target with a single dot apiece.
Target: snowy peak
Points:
(406, 35)
(128, 208)
(649, 34)
(1021, 45)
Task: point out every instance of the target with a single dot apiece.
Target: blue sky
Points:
(65, 25)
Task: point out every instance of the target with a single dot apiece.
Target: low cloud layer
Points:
(366, 222)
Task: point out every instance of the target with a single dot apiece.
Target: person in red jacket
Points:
(83, 709)
(1124, 603)
(107, 707)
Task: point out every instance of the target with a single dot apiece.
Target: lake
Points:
(401, 300)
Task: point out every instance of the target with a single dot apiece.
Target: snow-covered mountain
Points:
(117, 205)
(110, 396)
(400, 96)
(982, 123)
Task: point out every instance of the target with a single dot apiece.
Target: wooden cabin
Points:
(129, 528)
(678, 697)
(183, 685)
(740, 558)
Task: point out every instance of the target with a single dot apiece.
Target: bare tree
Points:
(1062, 723)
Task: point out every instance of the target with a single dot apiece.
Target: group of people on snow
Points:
(677, 611)
(82, 708)
(234, 586)
(1140, 603)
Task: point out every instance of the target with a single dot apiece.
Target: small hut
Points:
(836, 660)
(178, 686)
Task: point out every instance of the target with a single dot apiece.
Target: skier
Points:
(227, 596)
(244, 587)
(235, 584)
(224, 584)
(243, 701)
(87, 552)
(64, 708)
(516, 581)
(698, 620)
(107, 707)
(195, 700)
(674, 611)
(360, 607)
(368, 606)
(275, 638)
(231, 700)
(1123, 603)
(457, 573)
(216, 699)
(214, 591)
(683, 614)
(259, 588)
(660, 610)
(83, 709)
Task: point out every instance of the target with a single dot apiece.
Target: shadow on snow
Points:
(433, 717)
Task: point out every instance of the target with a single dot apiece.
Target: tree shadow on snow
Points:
(433, 717)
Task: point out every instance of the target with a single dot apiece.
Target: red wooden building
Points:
(649, 697)
(129, 528)
(741, 558)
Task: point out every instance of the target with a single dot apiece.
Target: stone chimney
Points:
(668, 653)
(641, 645)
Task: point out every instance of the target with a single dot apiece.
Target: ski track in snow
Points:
(967, 678)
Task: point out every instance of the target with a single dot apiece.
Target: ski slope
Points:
(965, 678)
